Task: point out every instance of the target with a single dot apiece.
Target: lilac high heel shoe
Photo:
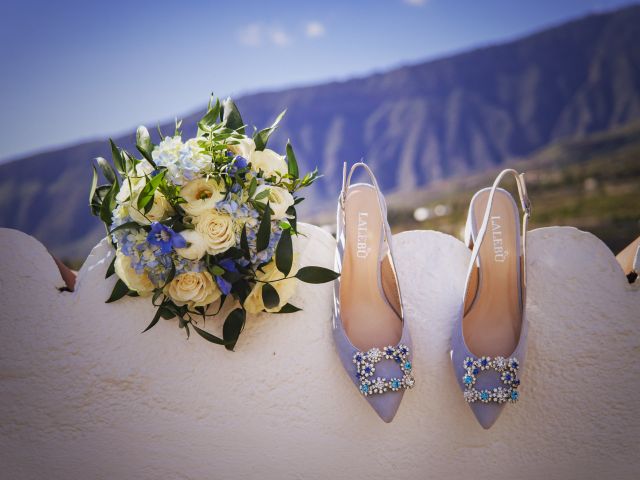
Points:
(369, 328)
(489, 340)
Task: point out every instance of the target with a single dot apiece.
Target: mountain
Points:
(414, 125)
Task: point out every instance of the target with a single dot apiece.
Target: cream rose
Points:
(196, 246)
(135, 281)
(195, 289)
(218, 230)
(285, 288)
(269, 162)
(201, 195)
(279, 200)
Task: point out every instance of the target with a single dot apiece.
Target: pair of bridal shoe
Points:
(369, 327)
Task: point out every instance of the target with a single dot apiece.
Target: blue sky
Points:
(74, 70)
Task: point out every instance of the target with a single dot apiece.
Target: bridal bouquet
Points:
(200, 221)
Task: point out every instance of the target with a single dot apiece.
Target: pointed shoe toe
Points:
(486, 413)
(386, 406)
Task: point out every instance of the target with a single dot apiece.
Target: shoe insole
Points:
(493, 314)
(367, 316)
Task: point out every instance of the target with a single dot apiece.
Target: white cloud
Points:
(258, 34)
(415, 3)
(279, 37)
(314, 29)
(251, 35)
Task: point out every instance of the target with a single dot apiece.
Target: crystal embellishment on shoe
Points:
(508, 371)
(365, 368)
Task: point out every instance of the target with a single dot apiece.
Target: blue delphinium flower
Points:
(223, 284)
(240, 162)
(165, 238)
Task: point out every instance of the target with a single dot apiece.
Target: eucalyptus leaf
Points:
(292, 162)
(120, 289)
(270, 296)
(314, 274)
(264, 230)
(284, 252)
(233, 326)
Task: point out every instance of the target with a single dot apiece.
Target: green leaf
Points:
(270, 297)
(264, 230)
(111, 269)
(233, 326)
(98, 198)
(166, 313)
(262, 137)
(149, 190)
(244, 243)
(252, 187)
(284, 252)
(144, 145)
(263, 194)
(94, 184)
(208, 336)
(316, 275)
(127, 225)
(288, 308)
(293, 218)
(210, 118)
(108, 204)
(120, 289)
(216, 270)
(107, 170)
(118, 160)
(156, 319)
(292, 163)
(231, 116)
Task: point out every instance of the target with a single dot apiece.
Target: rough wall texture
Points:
(84, 395)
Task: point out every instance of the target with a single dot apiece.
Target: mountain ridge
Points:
(414, 124)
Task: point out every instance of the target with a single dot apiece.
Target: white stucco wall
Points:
(84, 395)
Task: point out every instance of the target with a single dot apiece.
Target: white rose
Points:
(285, 288)
(201, 195)
(244, 148)
(269, 162)
(135, 281)
(195, 289)
(128, 196)
(218, 230)
(279, 200)
(196, 245)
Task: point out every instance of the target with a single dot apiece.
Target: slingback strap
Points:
(387, 237)
(526, 208)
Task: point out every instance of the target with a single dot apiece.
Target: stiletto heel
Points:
(489, 339)
(369, 328)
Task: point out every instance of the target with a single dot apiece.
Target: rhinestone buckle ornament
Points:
(366, 367)
(508, 370)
